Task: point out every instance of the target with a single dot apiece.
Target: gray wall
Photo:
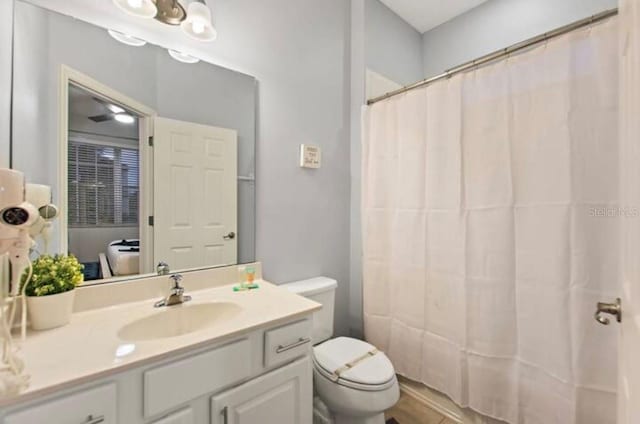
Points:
(497, 24)
(393, 47)
(6, 28)
(201, 93)
(358, 81)
(299, 52)
(303, 215)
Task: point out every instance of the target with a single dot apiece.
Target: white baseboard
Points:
(453, 415)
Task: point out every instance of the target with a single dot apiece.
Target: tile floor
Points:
(410, 411)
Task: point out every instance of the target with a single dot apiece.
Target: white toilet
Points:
(354, 383)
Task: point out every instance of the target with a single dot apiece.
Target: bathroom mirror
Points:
(150, 156)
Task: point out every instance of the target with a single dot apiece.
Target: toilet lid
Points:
(347, 360)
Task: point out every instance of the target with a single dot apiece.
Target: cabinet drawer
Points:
(93, 406)
(174, 384)
(287, 343)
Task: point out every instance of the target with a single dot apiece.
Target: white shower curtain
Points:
(490, 216)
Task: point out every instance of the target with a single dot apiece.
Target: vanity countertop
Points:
(89, 347)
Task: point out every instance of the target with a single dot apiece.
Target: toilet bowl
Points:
(354, 383)
(355, 380)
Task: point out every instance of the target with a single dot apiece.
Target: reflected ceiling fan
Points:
(115, 112)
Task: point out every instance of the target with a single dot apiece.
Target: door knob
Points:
(614, 309)
(230, 236)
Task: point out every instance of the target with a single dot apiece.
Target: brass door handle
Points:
(614, 309)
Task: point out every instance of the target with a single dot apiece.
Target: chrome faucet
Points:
(176, 294)
(162, 268)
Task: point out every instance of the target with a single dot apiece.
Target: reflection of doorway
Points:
(103, 185)
(186, 212)
(105, 168)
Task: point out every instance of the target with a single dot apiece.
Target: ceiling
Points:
(83, 104)
(424, 15)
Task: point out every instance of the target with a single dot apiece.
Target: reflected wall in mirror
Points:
(149, 159)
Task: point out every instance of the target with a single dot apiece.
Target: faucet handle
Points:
(176, 278)
(162, 268)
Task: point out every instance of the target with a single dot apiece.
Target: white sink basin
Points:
(178, 320)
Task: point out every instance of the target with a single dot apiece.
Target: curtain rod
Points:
(500, 54)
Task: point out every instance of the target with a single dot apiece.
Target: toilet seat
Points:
(354, 364)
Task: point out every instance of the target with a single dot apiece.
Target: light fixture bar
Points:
(170, 12)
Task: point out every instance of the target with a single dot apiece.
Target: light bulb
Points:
(124, 118)
(140, 8)
(115, 108)
(198, 24)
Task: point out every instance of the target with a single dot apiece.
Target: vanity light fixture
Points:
(124, 118)
(198, 24)
(170, 12)
(141, 8)
(127, 39)
(182, 57)
(196, 21)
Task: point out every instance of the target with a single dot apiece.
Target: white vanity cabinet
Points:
(261, 377)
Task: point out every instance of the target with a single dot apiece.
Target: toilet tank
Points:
(323, 291)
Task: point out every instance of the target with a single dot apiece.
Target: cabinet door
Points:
(182, 417)
(281, 396)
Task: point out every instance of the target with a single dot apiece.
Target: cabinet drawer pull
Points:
(96, 420)
(225, 415)
(300, 342)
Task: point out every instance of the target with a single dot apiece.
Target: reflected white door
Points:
(195, 194)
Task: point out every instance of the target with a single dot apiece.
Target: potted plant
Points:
(51, 290)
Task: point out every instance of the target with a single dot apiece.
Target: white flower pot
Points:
(46, 312)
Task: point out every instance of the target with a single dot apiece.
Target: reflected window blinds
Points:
(103, 184)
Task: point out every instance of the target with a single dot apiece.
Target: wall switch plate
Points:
(310, 156)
